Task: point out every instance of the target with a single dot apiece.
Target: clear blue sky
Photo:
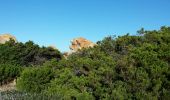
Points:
(56, 22)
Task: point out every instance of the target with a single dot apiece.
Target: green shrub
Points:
(8, 72)
(126, 67)
(35, 80)
(27, 54)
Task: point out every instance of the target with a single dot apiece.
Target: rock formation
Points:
(9, 86)
(80, 43)
(6, 37)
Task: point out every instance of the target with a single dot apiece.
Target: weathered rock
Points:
(80, 43)
(6, 37)
(9, 86)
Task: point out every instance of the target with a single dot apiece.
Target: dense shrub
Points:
(118, 68)
(35, 80)
(26, 54)
(84, 76)
(8, 72)
(126, 67)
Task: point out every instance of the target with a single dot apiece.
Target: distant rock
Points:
(6, 37)
(80, 43)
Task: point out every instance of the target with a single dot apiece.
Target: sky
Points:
(56, 22)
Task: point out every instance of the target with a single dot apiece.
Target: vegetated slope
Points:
(15, 56)
(117, 68)
(26, 54)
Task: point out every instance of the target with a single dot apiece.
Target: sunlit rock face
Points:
(6, 37)
(80, 43)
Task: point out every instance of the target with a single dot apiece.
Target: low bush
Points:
(9, 72)
(35, 80)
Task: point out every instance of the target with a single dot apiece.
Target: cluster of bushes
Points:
(35, 80)
(17, 56)
(26, 54)
(8, 73)
(124, 67)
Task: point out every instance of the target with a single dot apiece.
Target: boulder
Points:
(6, 37)
(80, 43)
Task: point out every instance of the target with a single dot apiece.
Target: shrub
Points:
(8, 72)
(35, 80)
(27, 54)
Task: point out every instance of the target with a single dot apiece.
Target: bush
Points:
(35, 80)
(126, 67)
(8, 72)
(27, 54)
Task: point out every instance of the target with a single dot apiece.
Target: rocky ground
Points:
(8, 87)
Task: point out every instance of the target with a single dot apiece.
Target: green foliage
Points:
(35, 80)
(69, 86)
(118, 68)
(89, 75)
(8, 73)
(26, 54)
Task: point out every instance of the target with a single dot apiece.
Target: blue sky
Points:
(56, 22)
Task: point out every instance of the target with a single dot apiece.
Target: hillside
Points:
(116, 68)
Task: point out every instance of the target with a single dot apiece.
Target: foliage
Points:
(35, 79)
(8, 72)
(26, 54)
(124, 67)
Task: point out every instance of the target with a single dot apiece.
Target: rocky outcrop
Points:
(80, 43)
(6, 37)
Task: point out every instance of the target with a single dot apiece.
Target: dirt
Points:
(8, 87)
